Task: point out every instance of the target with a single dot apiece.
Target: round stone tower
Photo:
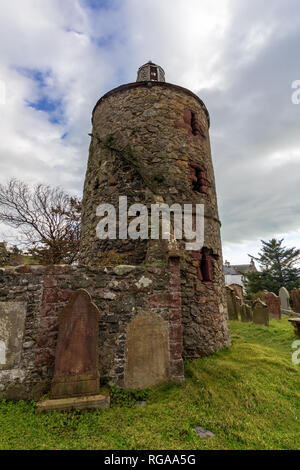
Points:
(150, 143)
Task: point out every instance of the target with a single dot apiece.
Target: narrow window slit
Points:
(200, 183)
(205, 269)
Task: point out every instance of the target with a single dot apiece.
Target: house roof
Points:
(229, 270)
(238, 269)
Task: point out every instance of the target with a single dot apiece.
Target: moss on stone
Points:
(126, 153)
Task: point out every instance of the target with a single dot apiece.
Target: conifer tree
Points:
(279, 268)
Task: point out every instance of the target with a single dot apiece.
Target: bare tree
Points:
(47, 218)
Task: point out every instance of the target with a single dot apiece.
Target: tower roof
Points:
(150, 72)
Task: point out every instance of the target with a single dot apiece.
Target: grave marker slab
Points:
(260, 313)
(147, 351)
(12, 325)
(274, 305)
(295, 296)
(238, 291)
(284, 299)
(232, 305)
(76, 360)
(246, 313)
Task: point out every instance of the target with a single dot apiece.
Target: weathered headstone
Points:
(274, 305)
(12, 325)
(284, 300)
(296, 324)
(232, 305)
(147, 351)
(238, 302)
(238, 291)
(260, 313)
(246, 313)
(295, 297)
(76, 360)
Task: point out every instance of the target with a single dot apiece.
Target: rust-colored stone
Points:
(191, 123)
(295, 297)
(198, 178)
(273, 303)
(23, 269)
(238, 291)
(76, 359)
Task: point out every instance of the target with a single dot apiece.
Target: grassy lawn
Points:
(247, 395)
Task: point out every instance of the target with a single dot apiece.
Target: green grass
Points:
(247, 395)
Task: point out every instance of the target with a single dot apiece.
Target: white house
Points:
(235, 274)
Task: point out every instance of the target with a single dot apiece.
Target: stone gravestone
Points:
(260, 313)
(295, 296)
(296, 324)
(238, 291)
(76, 360)
(285, 300)
(12, 325)
(147, 351)
(249, 312)
(246, 313)
(232, 305)
(274, 305)
(238, 302)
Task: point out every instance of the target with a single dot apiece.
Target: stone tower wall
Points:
(147, 141)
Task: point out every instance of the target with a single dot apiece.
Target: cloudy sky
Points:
(240, 56)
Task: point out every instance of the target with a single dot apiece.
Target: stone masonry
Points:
(121, 294)
(150, 142)
(158, 302)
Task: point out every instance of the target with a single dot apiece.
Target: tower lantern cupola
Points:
(150, 72)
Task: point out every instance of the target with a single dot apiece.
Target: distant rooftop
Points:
(238, 269)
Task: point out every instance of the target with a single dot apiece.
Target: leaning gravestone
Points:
(232, 306)
(260, 313)
(285, 301)
(274, 305)
(238, 291)
(246, 313)
(76, 376)
(295, 296)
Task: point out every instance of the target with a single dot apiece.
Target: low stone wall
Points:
(32, 296)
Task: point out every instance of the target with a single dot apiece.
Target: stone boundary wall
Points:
(120, 293)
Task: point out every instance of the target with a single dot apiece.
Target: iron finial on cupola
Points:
(150, 72)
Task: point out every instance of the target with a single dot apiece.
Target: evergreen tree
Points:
(279, 267)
